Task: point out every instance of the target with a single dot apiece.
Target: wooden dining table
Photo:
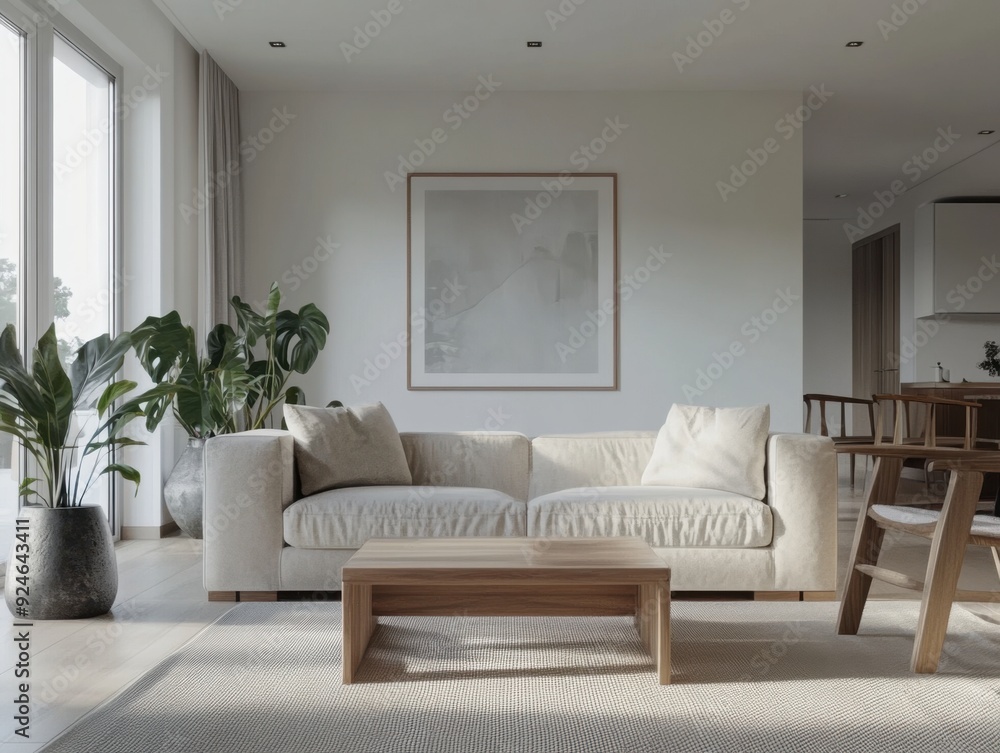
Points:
(882, 488)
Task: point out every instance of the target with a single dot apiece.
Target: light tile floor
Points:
(77, 665)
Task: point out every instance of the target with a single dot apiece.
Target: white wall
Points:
(958, 342)
(323, 176)
(159, 173)
(827, 309)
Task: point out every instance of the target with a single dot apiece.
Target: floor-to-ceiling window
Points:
(58, 202)
(12, 241)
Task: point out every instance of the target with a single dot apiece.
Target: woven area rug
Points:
(748, 676)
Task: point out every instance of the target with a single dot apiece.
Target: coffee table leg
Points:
(359, 624)
(663, 615)
(653, 618)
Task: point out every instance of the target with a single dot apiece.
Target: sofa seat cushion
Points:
(346, 518)
(663, 516)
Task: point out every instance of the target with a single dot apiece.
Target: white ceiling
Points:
(938, 69)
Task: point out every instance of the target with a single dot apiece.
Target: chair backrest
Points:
(928, 435)
(824, 428)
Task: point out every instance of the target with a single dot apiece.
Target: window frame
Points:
(38, 25)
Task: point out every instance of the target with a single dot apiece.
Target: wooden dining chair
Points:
(950, 531)
(903, 421)
(818, 402)
(915, 421)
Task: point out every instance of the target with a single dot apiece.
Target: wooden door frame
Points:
(862, 367)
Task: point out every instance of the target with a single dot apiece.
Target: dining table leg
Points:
(867, 543)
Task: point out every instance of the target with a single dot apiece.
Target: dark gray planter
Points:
(70, 569)
(184, 491)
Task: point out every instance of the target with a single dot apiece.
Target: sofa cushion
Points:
(566, 461)
(663, 516)
(487, 459)
(338, 447)
(346, 518)
(712, 448)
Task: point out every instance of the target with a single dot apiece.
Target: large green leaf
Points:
(163, 342)
(252, 325)
(55, 388)
(300, 337)
(15, 378)
(220, 344)
(267, 378)
(96, 362)
(112, 392)
(97, 444)
(127, 472)
(191, 405)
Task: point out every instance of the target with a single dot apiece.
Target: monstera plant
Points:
(235, 384)
(62, 563)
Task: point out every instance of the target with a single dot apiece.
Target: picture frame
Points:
(512, 281)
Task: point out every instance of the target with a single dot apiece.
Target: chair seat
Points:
(922, 522)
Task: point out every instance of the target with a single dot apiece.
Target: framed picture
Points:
(512, 281)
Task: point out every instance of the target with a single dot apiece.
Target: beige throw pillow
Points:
(712, 448)
(337, 447)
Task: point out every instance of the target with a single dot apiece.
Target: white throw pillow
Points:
(712, 448)
(337, 447)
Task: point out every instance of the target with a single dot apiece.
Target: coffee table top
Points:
(484, 560)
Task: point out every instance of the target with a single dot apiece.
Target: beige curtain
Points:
(221, 245)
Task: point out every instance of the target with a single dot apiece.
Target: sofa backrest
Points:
(567, 461)
(498, 460)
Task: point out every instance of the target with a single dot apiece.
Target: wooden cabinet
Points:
(957, 259)
(951, 419)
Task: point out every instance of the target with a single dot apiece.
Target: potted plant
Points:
(62, 562)
(236, 384)
(991, 363)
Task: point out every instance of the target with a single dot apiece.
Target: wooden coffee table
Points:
(521, 577)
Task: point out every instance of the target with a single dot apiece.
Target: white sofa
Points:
(261, 538)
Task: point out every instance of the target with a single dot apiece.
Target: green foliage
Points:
(991, 364)
(244, 373)
(38, 407)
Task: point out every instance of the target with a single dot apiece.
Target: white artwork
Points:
(512, 281)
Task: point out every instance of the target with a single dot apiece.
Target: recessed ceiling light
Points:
(986, 132)
(534, 44)
(277, 44)
(841, 196)
(854, 44)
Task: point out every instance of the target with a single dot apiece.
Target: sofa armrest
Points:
(802, 494)
(249, 481)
